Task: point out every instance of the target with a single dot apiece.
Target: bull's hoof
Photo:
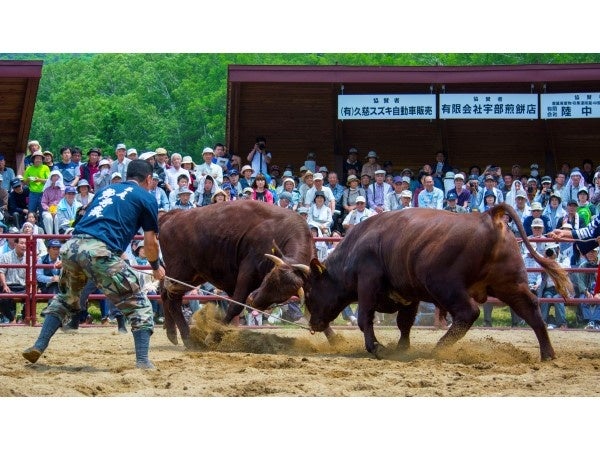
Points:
(548, 357)
(173, 338)
(379, 351)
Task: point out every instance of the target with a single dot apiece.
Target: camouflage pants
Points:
(85, 258)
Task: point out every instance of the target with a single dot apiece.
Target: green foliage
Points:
(178, 101)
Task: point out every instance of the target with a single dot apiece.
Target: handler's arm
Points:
(152, 252)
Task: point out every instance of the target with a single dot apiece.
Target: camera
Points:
(530, 189)
(261, 145)
(549, 252)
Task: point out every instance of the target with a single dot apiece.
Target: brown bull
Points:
(395, 259)
(224, 244)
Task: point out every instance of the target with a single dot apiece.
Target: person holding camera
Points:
(259, 158)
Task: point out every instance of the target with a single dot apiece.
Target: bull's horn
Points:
(303, 267)
(301, 296)
(275, 259)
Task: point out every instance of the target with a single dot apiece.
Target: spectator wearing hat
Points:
(67, 210)
(116, 178)
(289, 187)
(318, 186)
(159, 193)
(18, 200)
(522, 209)
(68, 169)
(84, 195)
(90, 168)
(132, 154)
(365, 181)
(585, 209)
(319, 213)
(463, 195)
(351, 162)
(229, 191)
(489, 184)
(511, 197)
(48, 159)
(219, 196)
(54, 191)
(247, 176)
(352, 191)
(247, 194)
(371, 165)
(431, 196)
(32, 147)
(35, 177)
(6, 174)
(543, 195)
(234, 180)
(594, 189)
(536, 213)
(259, 157)
(547, 289)
(489, 201)
(183, 181)
(338, 193)
(307, 181)
(532, 189)
(184, 199)
(452, 204)
(377, 192)
(209, 168)
(585, 284)
(393, 200)
(285, 200)
(120, 164)
(161, 156)
(188, 164)
(358, 214)
(574, 184)
(554, 211)
(102, 177)
(48, 274)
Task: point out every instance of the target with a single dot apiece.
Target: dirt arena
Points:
(97, 361)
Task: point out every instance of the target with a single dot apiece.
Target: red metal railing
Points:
(31, 297)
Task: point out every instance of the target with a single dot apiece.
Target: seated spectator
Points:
(84, 195)
(285, 200)
(360, 213)
(489, 201)
(371, 165)
(463, 195)
(554, 210)
(351, 193)
(522, 209)
(219, 196)
(377, 192)
(229, 190)
(319, 214)
(452, 205)
(102, 176)
(260, 192)
(184, 199)
(584, 208)
(584, 284)
(594, 190)
(543, 196)
(511, 197)
(67, 210)
(393, 200)
(289, 186)
(206, 188)
(430, 197)
(547, 289)
(18, 200)
(28, 228)
(48, 277)
(188, 164)
(159, 193)
(183, 180)
(246, 180)
(536, 213)
(12, 280)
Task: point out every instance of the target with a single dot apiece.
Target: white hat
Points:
(188, 159)
(449, 175)
(318, 176)
(380, 172)
(406, 193)
(131, 151)
(536, 206)
(459, 176)
(207, 150)
(121, 146)
(537, 223)
(361, 198)
(566, 226)
(406, 180)
(247, 167)
(144, 156)
(104, 162)
(116, 175)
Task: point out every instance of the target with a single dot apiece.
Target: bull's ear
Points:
(317, 267)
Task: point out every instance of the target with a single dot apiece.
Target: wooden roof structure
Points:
(19, 82)
(295, 107)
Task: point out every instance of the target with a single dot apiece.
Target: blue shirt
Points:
(117, 212)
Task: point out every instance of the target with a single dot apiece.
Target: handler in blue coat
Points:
(94, 251)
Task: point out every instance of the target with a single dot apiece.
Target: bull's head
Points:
(323, 302)
(280, 284)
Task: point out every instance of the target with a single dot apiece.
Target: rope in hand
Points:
(227, 299)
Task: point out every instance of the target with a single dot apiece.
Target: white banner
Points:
(386, 106)
(570, 106)
(488, 106)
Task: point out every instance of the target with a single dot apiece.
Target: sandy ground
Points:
(97, 361)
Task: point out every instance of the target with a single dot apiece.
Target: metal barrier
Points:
(31, 296)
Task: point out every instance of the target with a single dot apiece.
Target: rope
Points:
(227, 299)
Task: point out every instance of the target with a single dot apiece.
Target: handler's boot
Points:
(141, 339)
(51, 324)
(121, 324)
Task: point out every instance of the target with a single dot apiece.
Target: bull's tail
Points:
(560, 277)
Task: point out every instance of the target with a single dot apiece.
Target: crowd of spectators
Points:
(47, 197)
